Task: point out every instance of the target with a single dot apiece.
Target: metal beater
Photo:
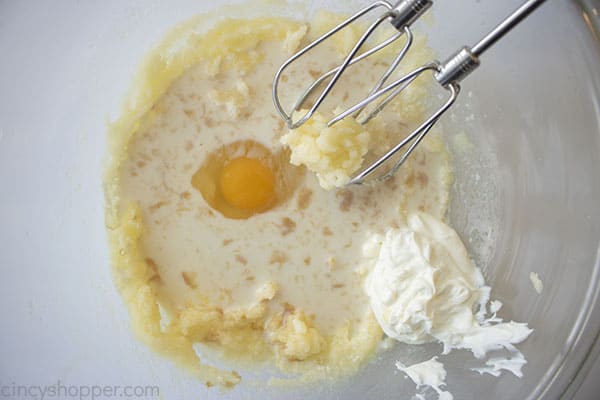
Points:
(448, 74)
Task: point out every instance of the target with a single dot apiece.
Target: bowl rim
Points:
(578, 356)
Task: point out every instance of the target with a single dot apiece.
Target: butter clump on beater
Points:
(332, 152)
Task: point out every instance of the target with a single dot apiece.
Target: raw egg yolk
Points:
(247, 184)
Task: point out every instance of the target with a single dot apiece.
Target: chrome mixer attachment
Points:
(447, 74)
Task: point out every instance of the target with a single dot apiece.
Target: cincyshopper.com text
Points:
(60, 390)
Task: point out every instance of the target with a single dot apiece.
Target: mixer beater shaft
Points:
(448, 74)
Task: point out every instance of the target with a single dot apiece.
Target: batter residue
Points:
(217, 239)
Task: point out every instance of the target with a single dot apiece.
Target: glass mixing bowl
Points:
(526, 200)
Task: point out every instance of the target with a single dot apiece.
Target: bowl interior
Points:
(525, 199)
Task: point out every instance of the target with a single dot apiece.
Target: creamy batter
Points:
(203, 257)
(224, 240)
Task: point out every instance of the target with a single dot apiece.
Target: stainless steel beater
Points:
(448, 74)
